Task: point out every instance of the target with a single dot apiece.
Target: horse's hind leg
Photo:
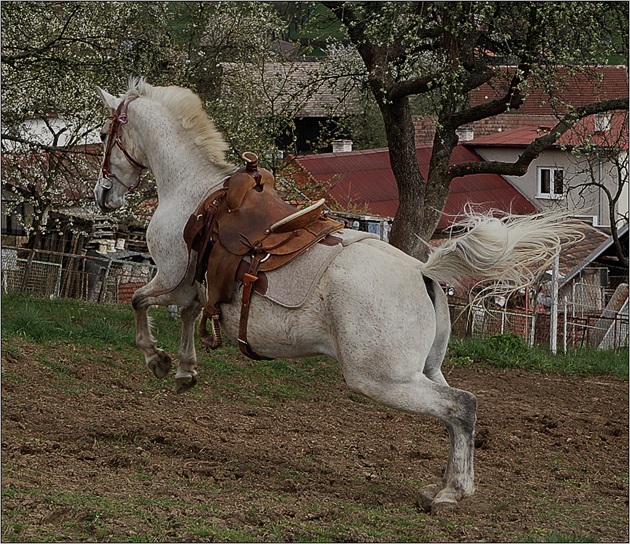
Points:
(433, 371)
(456, 409)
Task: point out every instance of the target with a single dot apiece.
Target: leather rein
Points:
(114, 137)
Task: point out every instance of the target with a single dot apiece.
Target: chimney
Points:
(465, 134)
(341, 146)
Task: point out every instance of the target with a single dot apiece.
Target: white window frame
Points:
(551, 195)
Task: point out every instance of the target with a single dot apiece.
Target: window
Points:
(550, 182)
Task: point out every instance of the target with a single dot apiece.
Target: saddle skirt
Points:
(291, 285)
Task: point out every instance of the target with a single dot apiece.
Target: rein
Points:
(115, 138)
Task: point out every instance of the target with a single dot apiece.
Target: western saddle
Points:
(242, 230)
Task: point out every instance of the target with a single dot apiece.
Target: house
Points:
(568, 175)
(301, 92)
(594, 152)
(542, 105)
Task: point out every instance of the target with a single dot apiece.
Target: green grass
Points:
(554, 536)
(62, 321)
(510, 351)
(46, 321)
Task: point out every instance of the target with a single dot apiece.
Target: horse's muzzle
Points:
(103, 186)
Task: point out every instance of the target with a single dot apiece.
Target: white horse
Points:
(376, 310)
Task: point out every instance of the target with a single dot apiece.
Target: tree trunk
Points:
(415, 224)
(406, 233)
(439, 180)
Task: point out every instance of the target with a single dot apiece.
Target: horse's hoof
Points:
(160, 364)
(444, 501)
(185, 382)
(427, 494)
(442, 507)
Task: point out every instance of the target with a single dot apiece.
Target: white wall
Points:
(584, 201)
(37, 131)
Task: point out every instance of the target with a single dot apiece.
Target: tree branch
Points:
(414, 86)
(49, 148)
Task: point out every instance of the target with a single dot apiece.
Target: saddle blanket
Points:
(291, 285)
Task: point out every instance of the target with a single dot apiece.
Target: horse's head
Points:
(123, 162)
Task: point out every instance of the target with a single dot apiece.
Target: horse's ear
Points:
(110, 101)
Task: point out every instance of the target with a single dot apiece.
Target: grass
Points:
(59, 321)
(510, 351)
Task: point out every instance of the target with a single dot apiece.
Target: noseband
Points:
(115, 138)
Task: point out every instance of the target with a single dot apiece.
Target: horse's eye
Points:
(103, 136)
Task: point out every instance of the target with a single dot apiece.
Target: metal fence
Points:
(580, 322)
(51, 274)
(573, 330)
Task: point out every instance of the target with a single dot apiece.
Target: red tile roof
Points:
(578, 89)
(364, 179)
(582, 132)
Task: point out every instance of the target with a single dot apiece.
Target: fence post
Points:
(27, 270)
(57, 293)
(553, 331)
(101, 295)
(565, 327)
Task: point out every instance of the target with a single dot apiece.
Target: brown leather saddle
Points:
(243, 230)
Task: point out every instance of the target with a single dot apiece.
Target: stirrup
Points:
(216, 341)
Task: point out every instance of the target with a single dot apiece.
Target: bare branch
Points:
(49, 148)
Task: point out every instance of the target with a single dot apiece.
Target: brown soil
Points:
(113, 455)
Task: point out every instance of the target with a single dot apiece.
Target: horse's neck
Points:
(182, 175)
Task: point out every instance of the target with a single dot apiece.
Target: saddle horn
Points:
(251, 161)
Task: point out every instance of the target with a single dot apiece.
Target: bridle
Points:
(114, 137)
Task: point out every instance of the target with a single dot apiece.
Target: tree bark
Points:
(406, 233)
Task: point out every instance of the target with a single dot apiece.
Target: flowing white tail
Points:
(512, 251)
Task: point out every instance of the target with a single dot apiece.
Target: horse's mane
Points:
(187, 109)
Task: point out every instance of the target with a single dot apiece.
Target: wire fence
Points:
(63, 275)
(573, 331)
(584, 319)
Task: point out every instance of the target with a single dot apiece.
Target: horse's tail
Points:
(512, 252)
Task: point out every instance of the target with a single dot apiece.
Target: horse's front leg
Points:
(158, 361)
(186, 376)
